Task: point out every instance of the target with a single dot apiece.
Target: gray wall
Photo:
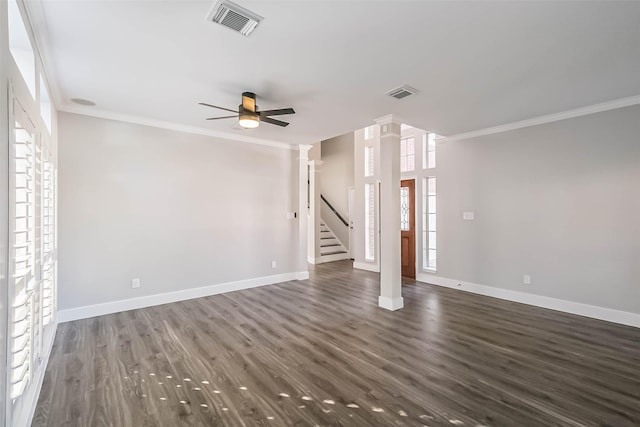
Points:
(336, 178)
(559, 201)
(176, 210)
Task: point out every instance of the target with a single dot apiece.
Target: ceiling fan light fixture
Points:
(249, 116)
(249, 120)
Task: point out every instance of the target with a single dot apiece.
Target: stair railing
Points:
(340, 217)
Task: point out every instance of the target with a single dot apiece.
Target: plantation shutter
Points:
(22, 265)
(49, 262)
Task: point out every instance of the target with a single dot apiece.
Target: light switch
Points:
(468, 216)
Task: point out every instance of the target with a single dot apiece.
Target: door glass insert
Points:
(404, 208)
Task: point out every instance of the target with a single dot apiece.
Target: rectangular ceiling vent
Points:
(235, 17)
(401, 92)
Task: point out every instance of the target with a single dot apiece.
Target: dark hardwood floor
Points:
(320, 352)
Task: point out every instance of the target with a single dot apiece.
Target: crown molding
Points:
(569, 114)
(110, 115)
(38, 27)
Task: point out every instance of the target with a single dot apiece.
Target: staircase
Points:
(331, 249)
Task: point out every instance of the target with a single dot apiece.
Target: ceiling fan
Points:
(248, 114)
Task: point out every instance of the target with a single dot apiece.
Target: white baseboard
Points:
(169, 297)
(24, 412)
(302, 275)
(593, 311)
(369, 266)
(392, 304)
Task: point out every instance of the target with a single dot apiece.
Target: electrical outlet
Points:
(526, 279)
(273, 264)
(135, 283)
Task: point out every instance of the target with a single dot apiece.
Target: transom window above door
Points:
(407, 154)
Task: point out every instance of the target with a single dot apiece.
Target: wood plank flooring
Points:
(321, 353)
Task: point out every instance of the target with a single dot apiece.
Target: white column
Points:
(390, 262)
(314, 211)
(303, 210)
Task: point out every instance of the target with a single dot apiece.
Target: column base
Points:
(392, 304)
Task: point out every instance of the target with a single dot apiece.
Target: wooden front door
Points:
(408, 227)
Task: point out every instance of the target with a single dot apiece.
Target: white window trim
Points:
(424, 214)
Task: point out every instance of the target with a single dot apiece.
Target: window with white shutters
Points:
(369, 161)
(369, 132)
(48, 240)
(370, 221)
(22, 265)
(32, 246)
(370, 152)
(32, 260)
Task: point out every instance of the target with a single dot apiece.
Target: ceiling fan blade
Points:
(279, 112)
(215, 106)
(273, 121)
(249, 101)
(218, 118)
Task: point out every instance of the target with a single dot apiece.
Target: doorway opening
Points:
(408, 227)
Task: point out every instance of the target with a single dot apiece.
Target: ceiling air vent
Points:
(235, 17)
(401, 92)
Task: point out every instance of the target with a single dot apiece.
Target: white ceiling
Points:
(476, 64)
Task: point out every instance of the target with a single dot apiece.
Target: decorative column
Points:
(314, 211)
(303, 210)
(390, 255)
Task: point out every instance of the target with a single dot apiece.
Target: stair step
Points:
(329, 245)
(334, 253)
(327, 238)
